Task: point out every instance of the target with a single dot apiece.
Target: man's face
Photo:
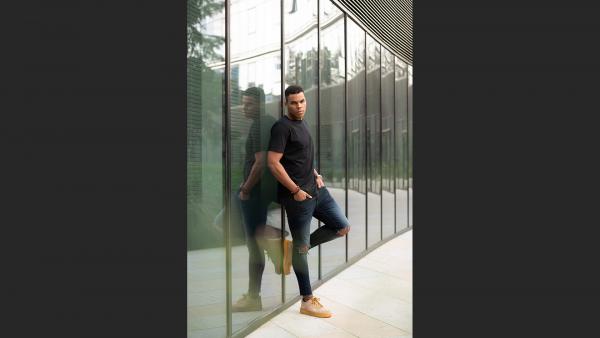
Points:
(296, 106)
(250, 106)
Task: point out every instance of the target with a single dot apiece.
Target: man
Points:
(303, 194)
(255, 193)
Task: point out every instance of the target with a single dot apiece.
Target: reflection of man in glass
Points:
(255, 194)
(303, 194)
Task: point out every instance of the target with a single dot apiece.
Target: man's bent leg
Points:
(255, 216)
(335, 223)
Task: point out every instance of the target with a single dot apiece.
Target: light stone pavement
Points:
(372, 298)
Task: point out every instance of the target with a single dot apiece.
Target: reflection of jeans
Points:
(324, 208)
(254, 211)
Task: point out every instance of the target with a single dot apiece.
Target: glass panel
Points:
(206, 275)
(374, 139)
(255, 106)
(356, 138)
(301, 67)
(332, 128)
(410, 146)
(387, 142)
(401, 146)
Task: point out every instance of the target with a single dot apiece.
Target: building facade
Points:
(358, 86)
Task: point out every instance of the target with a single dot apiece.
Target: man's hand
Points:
(244, 196)
(301, 195)
(244, 193)
(320, 183)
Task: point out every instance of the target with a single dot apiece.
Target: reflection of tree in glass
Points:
(200, 45)
(204, 122)
(330, 63)
(301, 68)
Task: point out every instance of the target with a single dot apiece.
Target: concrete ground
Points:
(372, 298)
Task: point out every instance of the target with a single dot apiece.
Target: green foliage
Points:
(203, 46)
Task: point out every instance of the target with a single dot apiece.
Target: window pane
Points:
(206, 293)
(373, 142)
(332, 121)
(356, 132)
(255, 106)
(387, 142)
(301, 68)
(410, 146)
(401, 146)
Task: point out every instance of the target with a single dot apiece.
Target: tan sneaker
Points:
(312, 307)
(287, 256)
(247, 303)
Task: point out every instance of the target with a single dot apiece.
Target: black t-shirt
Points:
(258, 140)
(292, 138)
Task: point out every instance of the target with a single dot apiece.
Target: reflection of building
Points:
(354, 60)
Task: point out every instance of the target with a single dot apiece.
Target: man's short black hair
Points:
(255, 92)
(293, 89)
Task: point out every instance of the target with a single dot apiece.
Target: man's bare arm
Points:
(280, 174)
(318, 179)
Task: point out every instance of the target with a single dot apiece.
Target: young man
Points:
(303, 194)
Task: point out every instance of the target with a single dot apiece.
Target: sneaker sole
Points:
(315, 314)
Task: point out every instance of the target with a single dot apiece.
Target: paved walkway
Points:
(370, 299)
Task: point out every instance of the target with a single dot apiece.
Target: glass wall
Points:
(255, 106)
(206, 272)
(332, 117)
(359, 114)
(388, 137)
(356, 133)
(301, 68)
(401, 104)
(373, 141)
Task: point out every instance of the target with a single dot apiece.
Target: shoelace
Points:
(315, 301)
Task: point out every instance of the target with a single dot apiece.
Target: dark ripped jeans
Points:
(299, 214)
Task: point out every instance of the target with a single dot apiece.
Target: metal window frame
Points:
(394, 145)
(281, 112)
(346, 122)
(381, 139)
(365, 166)
(406, 156)
(227, 169)
(319, 252)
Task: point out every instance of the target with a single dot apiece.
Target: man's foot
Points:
(287, 256)
(312, 307)
(247, 303)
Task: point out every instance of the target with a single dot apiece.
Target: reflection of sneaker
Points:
(271, 232)
(247, 303)
(287, 256)
(312, 307)
(273, 247)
